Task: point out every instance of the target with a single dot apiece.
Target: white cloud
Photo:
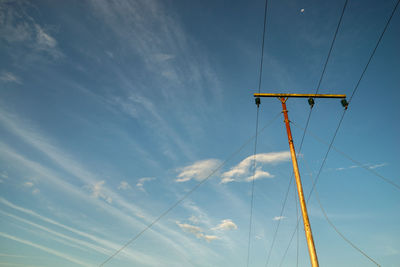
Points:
(110, 54)
(200, 233)
(99, 192)
(31, 185)
(198, 170)
(278, 218)
(46, 43)
(28, 184)
(44, 39)
(123, 185)
(35, 191)
(209, 238)
(368, 166)
(189, 228)
(197, 231)
(4, 175)
(377, 165)
(163, 57)
(141, 181)
(242, 171)
(227, 224)
(9, 77)
(194, 219)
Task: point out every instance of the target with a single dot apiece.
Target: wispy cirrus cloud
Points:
(160, 41)
(242, 171)
(120, 207)
(46, 249)
(368, 166)
(198, 170)
(140, 107)
(174, 68)
(82, 238)
(9, 77)
(77, 241)
(18, 27)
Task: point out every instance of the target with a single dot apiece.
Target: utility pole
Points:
(283, 98)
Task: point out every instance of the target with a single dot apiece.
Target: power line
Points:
(252, 189)
(344, 112)
(325, 65)
(361, 165)
(256, 136)
(262, 46)
(279, 221)
(340, 233)
(188, 193)
(373, 52)
(332, 224)
(331, 48)
(309, 115)
(352, 95)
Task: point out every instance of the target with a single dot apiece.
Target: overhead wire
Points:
(252, 191)
(352, 95)
(256, 135)
(308, 119)
(344, 112)
(279, 221)
(331, 223)
(358, 163)
(263, 45)
(325, 65)
(130, 241)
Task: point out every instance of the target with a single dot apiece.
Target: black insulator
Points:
(311, 102)
(345, 104)
(258, 101)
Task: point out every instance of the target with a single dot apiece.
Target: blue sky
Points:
(110, 111)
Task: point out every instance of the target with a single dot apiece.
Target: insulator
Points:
(311, 102)
(345, 104)
(258, 101)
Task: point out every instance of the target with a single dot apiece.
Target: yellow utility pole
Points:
(306, 221)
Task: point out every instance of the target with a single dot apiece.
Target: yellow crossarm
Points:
(301, 95)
